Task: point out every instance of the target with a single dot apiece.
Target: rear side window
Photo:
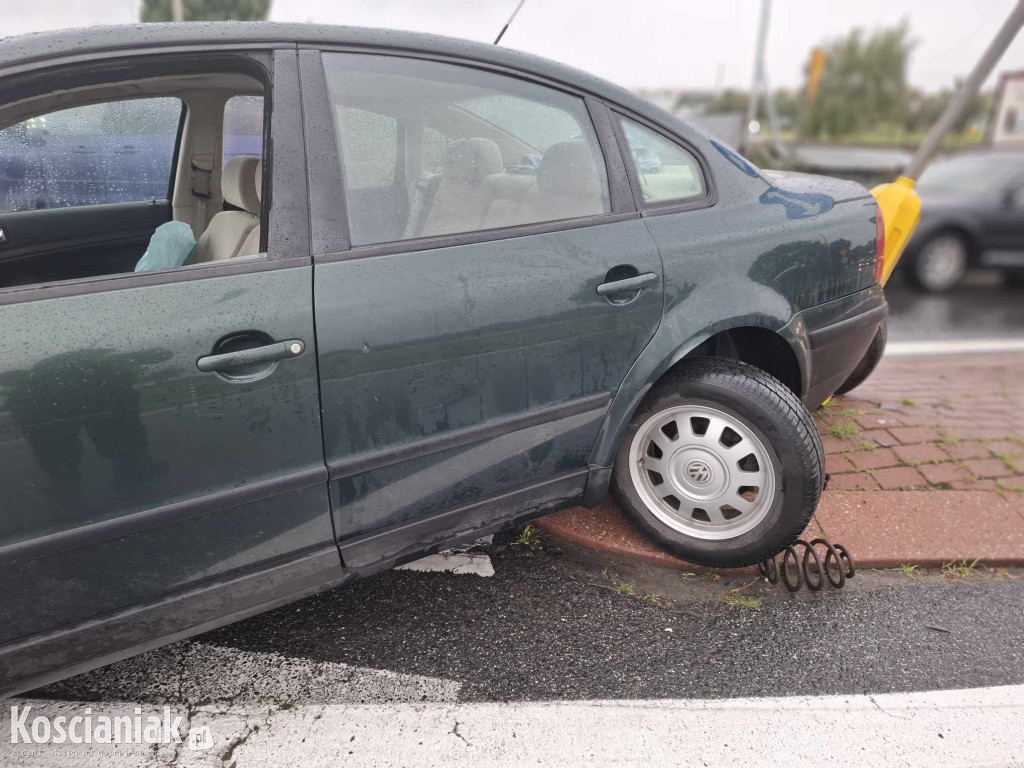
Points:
(115, 152)
(370, 146)
(431, 148)
(243, 127)
(665, 171)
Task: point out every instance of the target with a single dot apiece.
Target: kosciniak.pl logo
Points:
(88, 728)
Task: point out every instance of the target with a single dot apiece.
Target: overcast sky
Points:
(686, 43)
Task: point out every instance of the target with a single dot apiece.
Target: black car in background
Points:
(972, 215)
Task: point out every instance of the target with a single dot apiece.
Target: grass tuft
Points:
(1009, 460)
(528, 537)
(961, 569)
(910, 571)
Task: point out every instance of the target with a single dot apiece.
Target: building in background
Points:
(1006, 128)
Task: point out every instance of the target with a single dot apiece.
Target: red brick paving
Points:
(958, 422)
(873, 459)
(953, 426)
(944, 474)
(606, 530)
(899, 478)
(919, 454)
(966, 450)
(885, 529)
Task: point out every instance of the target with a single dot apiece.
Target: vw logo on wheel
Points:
(698, 472)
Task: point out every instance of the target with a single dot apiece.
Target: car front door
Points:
(138, 462)
(472, 329)
(1002, 226)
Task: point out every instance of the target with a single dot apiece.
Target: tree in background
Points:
(864, 85)
(788, 104)
(925, 108)
(208, 10)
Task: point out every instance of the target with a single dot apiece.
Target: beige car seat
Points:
(461, 197)
(568, 184)
(229, 233)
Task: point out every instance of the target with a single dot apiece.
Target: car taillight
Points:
(879, 244)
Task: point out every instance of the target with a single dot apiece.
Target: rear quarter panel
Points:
(768, 249)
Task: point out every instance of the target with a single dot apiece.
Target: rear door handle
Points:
(281, 350)
(646, 280)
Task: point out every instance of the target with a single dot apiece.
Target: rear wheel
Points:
(720, 465)
(939, 264)
(868, 363)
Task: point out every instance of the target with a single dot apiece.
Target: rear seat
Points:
(474, 191)
(456, 200)
(568, 185)
(509, 194)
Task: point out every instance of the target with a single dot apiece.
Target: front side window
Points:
(433, 149)
(115, 152)
(665, 171)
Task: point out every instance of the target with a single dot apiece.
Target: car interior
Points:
(459, 157)
(89, 174)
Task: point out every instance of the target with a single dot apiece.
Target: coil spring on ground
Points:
(838, 566)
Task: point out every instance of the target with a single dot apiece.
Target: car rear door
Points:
(138, 463)
(470, 340)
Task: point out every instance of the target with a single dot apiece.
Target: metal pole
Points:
(755, 86)
(955, 109)
(177, 10)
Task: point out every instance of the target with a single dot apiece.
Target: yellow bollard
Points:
(901, 211)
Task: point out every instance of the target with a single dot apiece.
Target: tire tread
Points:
(768, 393)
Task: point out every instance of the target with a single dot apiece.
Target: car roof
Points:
(38, 47)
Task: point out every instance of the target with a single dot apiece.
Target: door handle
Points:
(281, 350)
(646, 280)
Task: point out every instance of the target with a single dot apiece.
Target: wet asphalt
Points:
(550, 626)
(981, 308)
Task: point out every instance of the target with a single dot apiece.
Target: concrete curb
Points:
(883, 529)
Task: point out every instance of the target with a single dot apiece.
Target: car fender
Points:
(675, 339)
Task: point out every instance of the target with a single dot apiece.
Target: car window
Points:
(115, 152)
(369, 141)
(243, 127)
(665, 170)
(486, 150)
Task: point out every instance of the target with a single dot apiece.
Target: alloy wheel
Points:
(702, 472)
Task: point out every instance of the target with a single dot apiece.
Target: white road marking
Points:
(461, 563)
(979, 726)
(952, 347)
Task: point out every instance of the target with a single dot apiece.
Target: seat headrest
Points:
(238, 183)
(473, 160)
(259, 180)
(568, 168)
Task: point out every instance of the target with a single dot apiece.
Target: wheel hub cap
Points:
(702, 471)
(699, 472)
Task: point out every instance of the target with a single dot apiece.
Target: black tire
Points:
(1013, 278)
(776, 417)
(868, 363)
(917, 270)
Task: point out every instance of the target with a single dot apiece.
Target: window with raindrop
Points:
(243, 127)
(114, 152)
